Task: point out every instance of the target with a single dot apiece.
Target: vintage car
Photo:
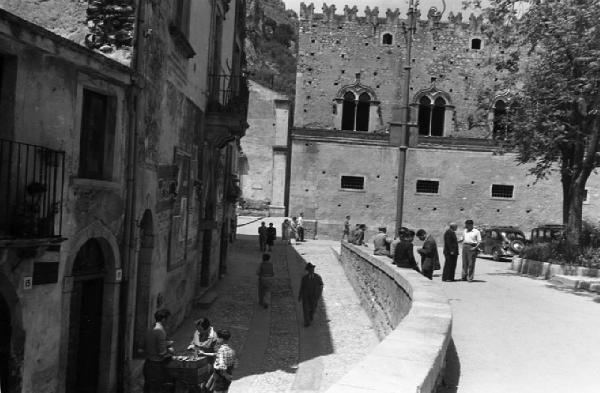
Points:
(548, 233)
(501, 241)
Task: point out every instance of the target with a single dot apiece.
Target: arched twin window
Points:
(355, 112)
(432, 116)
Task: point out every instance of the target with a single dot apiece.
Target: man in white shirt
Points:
(301, 227)
(471, 241)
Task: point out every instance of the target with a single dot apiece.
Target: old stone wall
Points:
(266, 131)
(66, 18)
(48, 89)
(333, 48)
(103, 25)
(385, 302)
(465, 179)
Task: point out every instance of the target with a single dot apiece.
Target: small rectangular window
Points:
(502, 191)
(428, 186)
(353, 182)
(97, 136)
(586, 196)
(476, 43)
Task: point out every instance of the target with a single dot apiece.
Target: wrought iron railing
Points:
(31, 190)
(228, 94)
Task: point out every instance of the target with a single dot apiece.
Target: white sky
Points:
(451, 5)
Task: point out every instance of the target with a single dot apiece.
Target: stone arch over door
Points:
(143, 280)
(12, 338)
(90, 278)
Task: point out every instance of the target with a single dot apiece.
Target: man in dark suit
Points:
(429, 254)
(450, 253)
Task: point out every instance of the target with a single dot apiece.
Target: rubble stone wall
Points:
(334, 47)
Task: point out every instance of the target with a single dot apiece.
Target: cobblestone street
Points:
(276, 353)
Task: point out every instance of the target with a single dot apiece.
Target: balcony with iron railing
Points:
(228, 94)
(31, 194)
(227, 106)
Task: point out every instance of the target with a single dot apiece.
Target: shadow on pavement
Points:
(272, 339)
(452, 372)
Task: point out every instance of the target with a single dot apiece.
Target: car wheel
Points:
(517, 246)
(496, 254)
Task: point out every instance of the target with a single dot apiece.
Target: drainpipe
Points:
(134, 106)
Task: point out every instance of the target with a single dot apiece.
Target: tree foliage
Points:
(550, 50)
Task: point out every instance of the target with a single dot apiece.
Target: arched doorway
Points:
(5, 340)
(86, 316)
(143, 278)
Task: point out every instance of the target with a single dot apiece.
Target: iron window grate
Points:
(353, 182)
(502, 191)
(428, 186)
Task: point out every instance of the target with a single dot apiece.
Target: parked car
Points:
(548, 233)
(502, 241)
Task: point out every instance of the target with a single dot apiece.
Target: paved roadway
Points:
(511, 333)
(518, 334)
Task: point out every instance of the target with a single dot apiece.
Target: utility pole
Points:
(400, 126)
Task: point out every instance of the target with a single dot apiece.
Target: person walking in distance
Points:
(301, 227)
(262, 236)
(311, 288)
(285, 231)
(294, 230)
(471, 242)
(429, 254)
(265, 273)
(346, 233)
(271, 236)
(450, 253)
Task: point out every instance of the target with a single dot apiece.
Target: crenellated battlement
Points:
(392, 17)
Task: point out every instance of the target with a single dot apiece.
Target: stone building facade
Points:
(63, 200)
(263, 180)
(349, 81)
(147, 208)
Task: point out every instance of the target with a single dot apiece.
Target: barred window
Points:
(353, 182)
(428, 186)
(502, 191)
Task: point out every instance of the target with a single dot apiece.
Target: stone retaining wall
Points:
(412, 317)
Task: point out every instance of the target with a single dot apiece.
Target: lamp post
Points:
(400, 126)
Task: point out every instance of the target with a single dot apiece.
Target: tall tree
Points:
(551, 55)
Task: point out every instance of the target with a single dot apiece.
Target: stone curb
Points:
(574, 277)
(411, 358)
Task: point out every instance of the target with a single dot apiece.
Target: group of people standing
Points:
(291, 231)
(400, 249)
